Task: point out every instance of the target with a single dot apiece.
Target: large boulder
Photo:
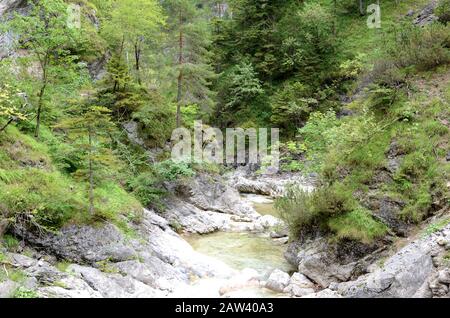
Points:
(194, 220)
(325, 262)
(208, 204)
(81, 244)
(245, 279)
(278, 281)
(244, 185)
(405, 273)
(444, 276)
(112, 285)
(299, 286)
(270, 222)
(69, 287)
(212, 193)
(273, 185)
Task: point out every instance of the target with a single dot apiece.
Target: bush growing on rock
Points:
(147, 189)
(148, 186)
(328, 209)
(305, 211)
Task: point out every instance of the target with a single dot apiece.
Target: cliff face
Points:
(7, 8)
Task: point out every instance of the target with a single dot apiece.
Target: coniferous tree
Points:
(190, 38)
(90, 132)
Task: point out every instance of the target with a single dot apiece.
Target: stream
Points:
(243, 251)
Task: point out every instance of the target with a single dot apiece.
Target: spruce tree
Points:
(190, 39)
(90, 132)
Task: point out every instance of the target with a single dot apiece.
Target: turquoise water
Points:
(245, 250)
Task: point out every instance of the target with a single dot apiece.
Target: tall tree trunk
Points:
(44, 65)
(180, 75)
(39, 109)
(137, 58)
(179, 97)
(91, 176)
(361, 7)
(335, 18)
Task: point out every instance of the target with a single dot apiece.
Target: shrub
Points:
(317, 133)
(443, 11)
(386, 73)
(171, 170)
(147, 188)
(17, 276)
(350, 69)
(23, 292)
(305, 212)
(330, 209)
(11, 108)
(62, 266)
(291, 155)
(425, 48)
(176, 226)
(343, 145)
(383, 97)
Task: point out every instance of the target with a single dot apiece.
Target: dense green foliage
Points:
(399, 119)
(350, 101)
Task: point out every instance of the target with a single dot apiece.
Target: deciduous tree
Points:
(44, 33)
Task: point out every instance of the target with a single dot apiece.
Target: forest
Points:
(91, 91)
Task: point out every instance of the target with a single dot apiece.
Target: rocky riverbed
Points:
(232, 245)
(154, 260)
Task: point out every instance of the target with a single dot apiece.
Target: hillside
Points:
(91, 196)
